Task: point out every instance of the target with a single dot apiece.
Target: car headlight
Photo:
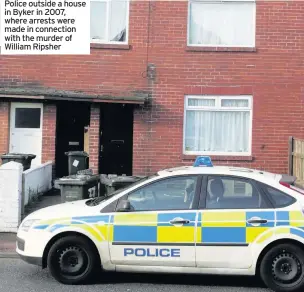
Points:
(27, 224)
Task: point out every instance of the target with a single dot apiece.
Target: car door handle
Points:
(257, 221)
(179, 221)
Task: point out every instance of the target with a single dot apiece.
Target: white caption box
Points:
(45, 27)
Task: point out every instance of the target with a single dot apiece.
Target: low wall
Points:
(10, 196)
(36, 181)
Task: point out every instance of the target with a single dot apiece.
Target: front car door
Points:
(234, 216)
(161, 228)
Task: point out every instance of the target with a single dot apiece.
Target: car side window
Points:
(278, 198)
(233, 193)
(176, 193)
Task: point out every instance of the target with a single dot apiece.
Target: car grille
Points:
(20, 244)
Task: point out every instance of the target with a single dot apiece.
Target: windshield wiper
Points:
(95, 201)
(98, 200)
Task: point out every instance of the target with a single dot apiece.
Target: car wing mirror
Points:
(124, 206)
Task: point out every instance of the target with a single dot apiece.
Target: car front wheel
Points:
(282, 268)
(72, 259)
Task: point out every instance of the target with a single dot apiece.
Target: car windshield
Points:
(98, 200)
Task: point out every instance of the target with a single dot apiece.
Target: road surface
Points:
(17, 276)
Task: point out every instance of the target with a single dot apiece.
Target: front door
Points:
(26, 129)
(161, 229)
(72, 120)
(234, 217)
(116, 139)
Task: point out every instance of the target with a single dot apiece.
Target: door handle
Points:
(257, 221)
(179, 221)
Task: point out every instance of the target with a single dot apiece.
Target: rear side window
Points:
(278, 198)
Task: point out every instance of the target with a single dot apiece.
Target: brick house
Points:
(165, 81)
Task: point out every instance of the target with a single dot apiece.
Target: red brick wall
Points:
(4, 126)
(94, 138)
(117, 71)
(273, 74)
(49, 133)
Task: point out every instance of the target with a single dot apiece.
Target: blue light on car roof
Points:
(203, 161)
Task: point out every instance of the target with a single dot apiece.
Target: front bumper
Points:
(37, 261)
(30, 245)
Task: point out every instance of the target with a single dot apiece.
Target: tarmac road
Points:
(15, 276)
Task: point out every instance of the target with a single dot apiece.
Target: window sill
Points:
(220, 49)
(110, 46)
(221, 158)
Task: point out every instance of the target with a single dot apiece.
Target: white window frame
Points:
(224, 46)
(106, 41)
(219, 108)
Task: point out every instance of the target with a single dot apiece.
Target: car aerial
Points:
(200, 219)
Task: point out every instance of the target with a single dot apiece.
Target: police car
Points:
(192, 219)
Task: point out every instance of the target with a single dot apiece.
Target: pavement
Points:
(17, 276)
(8, 245)
(8, 240)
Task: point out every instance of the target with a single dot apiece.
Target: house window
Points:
(218, 125)
(221, 23)
(109, 21)
(27, 118)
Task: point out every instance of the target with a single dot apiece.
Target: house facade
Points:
(165, 81)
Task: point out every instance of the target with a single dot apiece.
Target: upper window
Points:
(175, 193)
(232, 193)
(278, 198)
(221, 23)
(109, 21)
(219, 125)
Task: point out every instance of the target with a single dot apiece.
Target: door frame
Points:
(13, 107)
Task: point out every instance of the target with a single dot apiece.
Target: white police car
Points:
(208, 220)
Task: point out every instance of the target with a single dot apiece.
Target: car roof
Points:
(220, 170)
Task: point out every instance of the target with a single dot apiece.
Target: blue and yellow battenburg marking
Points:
(291, 221)
(97, 226)
(232, 227)
(213, 227)
(153, 228)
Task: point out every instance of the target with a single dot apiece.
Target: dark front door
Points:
(72, 118)
(116, 139)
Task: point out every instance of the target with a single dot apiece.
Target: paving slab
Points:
(7, 243)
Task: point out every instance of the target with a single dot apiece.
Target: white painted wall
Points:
(10, 196)
(36, 180)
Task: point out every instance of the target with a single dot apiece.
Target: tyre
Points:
(282, 268)
(72, 260)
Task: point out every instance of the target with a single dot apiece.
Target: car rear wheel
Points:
(282, 268)
(72, 259)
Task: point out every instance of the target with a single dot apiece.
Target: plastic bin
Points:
(78, 160)
(76, 187)
(110, 183)
(24, 159)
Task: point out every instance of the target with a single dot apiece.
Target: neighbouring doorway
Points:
(72, 119)
(116, 139)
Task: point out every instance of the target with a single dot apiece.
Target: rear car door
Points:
(234, 215)
(289, 212)
(161, 228)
